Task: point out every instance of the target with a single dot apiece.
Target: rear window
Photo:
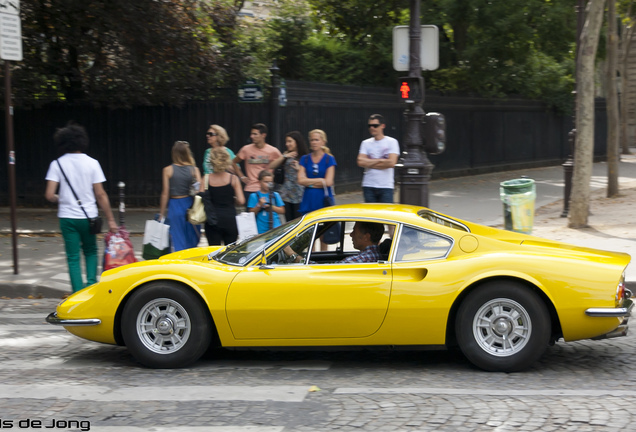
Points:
(442, 220)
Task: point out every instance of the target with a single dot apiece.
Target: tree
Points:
(612, 101)
(580, 198)
(116, 52)
(627, 32)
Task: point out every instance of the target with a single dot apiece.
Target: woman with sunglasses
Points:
(216, 137)
(317, 171)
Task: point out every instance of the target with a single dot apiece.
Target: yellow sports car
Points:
(423, 279)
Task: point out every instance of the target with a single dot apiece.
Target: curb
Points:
(24, 290)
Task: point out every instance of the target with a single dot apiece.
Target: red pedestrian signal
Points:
(410, 89)
(405, 89)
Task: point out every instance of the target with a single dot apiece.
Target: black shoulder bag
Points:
(94, 223)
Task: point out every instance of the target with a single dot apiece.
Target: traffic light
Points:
(411, 89)
(434, 133)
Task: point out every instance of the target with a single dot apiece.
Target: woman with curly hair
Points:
(217, 137)
(225, 192)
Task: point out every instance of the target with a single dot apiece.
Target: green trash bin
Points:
(518, 197)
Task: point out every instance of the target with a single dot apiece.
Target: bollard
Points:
(122, 206)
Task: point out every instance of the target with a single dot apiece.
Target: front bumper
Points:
(53, 319)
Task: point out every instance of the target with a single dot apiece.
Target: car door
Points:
(423, 284)
(309, 300)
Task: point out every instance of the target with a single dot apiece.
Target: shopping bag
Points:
(118, 250)
(246, 224)
(196, 213)
(156, 240)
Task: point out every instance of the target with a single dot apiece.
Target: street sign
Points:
(10, 30)
(429, 47)
(250, 91)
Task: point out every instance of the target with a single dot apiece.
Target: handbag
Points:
(327, 200)
(279, 173)
(246, 224)
(196, 213)
(94, 224)
(210, 211)
(156, 239)
(118, 250)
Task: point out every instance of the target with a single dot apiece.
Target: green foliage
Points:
(117, 52)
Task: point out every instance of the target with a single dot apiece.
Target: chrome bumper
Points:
(625, 311)
(53, 319)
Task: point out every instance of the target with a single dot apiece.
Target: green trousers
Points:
(76, 233)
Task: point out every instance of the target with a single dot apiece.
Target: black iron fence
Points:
(133, 145)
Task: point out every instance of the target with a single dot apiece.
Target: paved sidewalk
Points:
(42, 264)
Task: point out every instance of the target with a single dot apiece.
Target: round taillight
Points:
(620, 291)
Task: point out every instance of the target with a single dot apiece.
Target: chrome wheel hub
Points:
(502, 327)
(163, 326)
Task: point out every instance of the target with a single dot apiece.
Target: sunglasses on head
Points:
(374, 125)
(210, 134)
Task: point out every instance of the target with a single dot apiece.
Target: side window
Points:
(299, 245)
(417, 245)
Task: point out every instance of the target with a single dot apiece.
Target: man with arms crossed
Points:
(378, 155)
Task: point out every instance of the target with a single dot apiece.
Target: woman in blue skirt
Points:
(178, 178)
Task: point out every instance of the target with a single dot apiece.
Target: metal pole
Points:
(275, 126)
(8, 115)
(416, 168)
(122, 206)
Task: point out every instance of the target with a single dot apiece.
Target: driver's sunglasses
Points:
(374, 125)
(210, 134)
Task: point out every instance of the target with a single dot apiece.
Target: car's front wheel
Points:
(165, 325)
(503, 326)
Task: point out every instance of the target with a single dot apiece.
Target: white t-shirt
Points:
(379, 149)
(83, 172)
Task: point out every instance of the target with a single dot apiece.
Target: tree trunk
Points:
(626, 44)
(612, 101)
(583, 156)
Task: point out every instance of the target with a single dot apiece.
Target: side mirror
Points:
(263, 265)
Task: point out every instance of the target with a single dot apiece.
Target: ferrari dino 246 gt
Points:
(501, 297)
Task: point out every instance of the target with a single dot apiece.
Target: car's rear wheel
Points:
(503, 326)
(165, 325)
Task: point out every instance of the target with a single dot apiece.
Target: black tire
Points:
(175, 335)
(503, 326)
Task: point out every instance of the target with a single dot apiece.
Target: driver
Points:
(365, 237)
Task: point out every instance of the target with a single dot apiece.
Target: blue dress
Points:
(313, 197)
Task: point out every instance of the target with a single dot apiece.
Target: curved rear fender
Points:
(452, 315)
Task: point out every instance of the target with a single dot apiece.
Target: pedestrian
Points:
(317, 171)
(290, 191)
(217, 137)
(257, 157)
(378, 155)
(79, 178)
(225, 192)
(266, 203)
(178, 181)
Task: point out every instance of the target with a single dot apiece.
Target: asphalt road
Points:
(52, 377)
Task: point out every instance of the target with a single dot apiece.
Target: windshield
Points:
(244, 251)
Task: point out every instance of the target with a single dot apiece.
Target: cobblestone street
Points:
(51, 376)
